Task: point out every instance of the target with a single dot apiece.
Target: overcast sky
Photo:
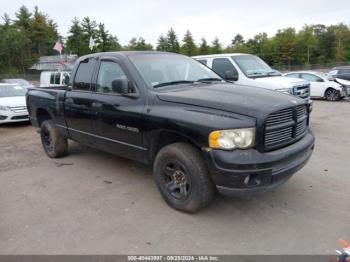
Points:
(204, 18)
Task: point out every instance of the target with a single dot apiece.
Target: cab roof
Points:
(221, 55)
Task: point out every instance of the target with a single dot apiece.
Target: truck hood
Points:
(275, 82)
(13, 101)
(239, 99)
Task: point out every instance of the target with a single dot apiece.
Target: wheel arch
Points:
(42, 115)
(162, 138)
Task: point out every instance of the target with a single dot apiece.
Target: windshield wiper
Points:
(273, 73)
(173, 83)
(256, 74)
(209, 79)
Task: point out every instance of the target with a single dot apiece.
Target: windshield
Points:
(160, 70)
(253, 66)
(325, 76)
(8, 91)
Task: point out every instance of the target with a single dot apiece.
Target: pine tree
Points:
(6, 19)
(76, 38)
(189, 47)
(24, 18)
(43, 33)
(162, 44)
(105, 41)
(172, 42)
(89, 28)
(139, 44)
(204, 48)
(216, 47)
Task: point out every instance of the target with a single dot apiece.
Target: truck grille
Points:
(302, 91)
(285, 126)
(19, 109)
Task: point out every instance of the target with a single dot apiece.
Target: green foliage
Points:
(189, 47)
(138, 44)
(204, 48)
(162, 44)
(32, 34)
(216, 47)
(172, 42)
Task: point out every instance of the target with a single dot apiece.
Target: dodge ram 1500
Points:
(200, 133)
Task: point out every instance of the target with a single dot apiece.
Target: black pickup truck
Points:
(200, 133)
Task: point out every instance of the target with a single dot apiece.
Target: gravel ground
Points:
(95, 203)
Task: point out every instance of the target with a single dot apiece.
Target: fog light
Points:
(3, 117)
(252, 180)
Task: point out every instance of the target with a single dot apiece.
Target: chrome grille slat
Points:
(278, 132)
(18, 109)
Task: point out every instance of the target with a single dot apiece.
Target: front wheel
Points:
(182, 177)
(54, 143)
(332, 94)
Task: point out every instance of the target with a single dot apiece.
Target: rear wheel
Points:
(54, 143)
(182, 177)
(332, 94)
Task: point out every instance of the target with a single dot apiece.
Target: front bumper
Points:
(250, 172)
(9, 116)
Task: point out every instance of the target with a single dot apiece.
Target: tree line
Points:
(33, 34)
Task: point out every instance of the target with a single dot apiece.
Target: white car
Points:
(321, 85)
(13, 106)
(21, 82)
(247, 69)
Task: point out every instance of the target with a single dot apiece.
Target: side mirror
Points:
(231, 75)
(120, 86)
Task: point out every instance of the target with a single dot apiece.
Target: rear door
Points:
(118, 118)
(78, 102)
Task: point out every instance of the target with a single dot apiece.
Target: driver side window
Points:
(222, 65)
(108, 72)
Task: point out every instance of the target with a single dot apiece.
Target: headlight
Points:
(230, 139)
(288, 91)
(5, 108)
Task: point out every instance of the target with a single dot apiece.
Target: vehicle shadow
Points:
(15, 124)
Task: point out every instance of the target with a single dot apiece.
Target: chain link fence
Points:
(318, 67)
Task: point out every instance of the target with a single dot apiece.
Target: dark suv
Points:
(342, 72)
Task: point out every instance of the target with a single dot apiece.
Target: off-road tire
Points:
(189, 161)
(54, 143)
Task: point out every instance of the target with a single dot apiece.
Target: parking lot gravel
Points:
(91, 202)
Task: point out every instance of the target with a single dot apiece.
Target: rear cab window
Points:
(82, 80)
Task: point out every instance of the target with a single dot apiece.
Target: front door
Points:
(118, 118)
(317, 85)
(78, 103)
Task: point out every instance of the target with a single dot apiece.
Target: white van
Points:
(54, 78)
(246, 69)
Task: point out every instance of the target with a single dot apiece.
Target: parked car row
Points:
(324, 85)
(250, 70)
